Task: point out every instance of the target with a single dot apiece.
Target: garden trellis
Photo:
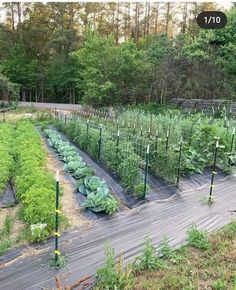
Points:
(122, 142)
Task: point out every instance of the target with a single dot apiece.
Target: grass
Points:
(5, 244)
(206, 263)
(5, 232)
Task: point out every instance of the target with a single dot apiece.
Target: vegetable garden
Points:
(168, 145)
(135, 148)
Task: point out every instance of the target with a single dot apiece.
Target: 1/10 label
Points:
(212, 20)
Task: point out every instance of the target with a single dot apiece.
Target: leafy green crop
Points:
(6, 159)
(35, 186)
(98, 196)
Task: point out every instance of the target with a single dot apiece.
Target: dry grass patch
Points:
(214, 268)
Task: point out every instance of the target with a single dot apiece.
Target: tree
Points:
(109, 74)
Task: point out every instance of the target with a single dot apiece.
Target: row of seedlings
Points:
(96, 191)
(6, 157)
(35, 185)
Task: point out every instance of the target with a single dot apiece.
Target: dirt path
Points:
(68, 201)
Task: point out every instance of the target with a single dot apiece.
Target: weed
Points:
(219, 284)
(7, 227)
(198, 239)
(113, 277)
(166, 252)
(149, 259)
(5, 244)
(59, 264)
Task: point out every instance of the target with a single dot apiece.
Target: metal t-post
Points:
(100, 142)
(179, 162)
(167, 140)
(232, 147)
(87, 134)
(146, 173)
(57, 253)
(213, 170)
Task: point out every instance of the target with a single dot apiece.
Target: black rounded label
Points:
(211, 20)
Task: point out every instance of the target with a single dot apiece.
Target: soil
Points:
(68, 200)
(17, 224)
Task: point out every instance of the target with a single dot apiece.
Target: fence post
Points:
(213, 171)
(231, 147)
(87, 136)
(65, 116)
(156, 140)
(149, 131)
(4, 117)
(167, 140)
(100, 142)
(57, 252)
(146, 173)
(179, 162)
(117, 141)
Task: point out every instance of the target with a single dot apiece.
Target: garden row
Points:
(6, 157)
(35, 186)
(164, 132)
(23, 160)
(117, 155)
(96, 191)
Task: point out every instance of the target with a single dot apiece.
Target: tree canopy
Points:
(116, 53)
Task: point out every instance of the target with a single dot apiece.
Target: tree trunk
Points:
(23, 96)
(185, 15)
(156, 17)
(117, 23)
(148, 22)
(167, 17)
(136, 23)
(19, 19)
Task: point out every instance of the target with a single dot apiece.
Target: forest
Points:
(114, 53)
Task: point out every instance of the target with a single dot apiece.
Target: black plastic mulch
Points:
(8, 198)
(125, 232)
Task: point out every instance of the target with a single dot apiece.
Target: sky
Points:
(222, 3)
